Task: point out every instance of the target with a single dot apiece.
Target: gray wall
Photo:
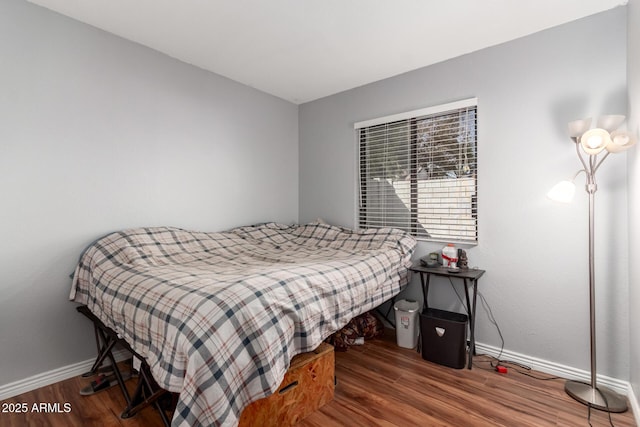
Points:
(633, 82)
(534, 250)
(99, 134)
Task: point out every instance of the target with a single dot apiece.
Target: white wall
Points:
(633, 86)
(99, 134)
(534, 251)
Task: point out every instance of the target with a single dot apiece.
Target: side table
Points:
(469, 277)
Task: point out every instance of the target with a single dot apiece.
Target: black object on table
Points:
(469, 276)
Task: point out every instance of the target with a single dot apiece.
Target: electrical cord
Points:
(517, 367)
(489, 312)
(606, 402)
(498, 359)
(524, 369)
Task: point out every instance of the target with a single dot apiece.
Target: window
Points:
(418, 172)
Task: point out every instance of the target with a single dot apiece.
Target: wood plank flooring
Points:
(379, 384)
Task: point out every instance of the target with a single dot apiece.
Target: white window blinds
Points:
(418, 172)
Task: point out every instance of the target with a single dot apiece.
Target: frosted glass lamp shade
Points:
(620, 141)
(595, 140)
(562, 192)
(578, 127)
(610, 123)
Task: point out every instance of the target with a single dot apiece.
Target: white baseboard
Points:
(621, 387)
(47, 378)
(556, 369)
(635, 407)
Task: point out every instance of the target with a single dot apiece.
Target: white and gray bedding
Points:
(218, 316)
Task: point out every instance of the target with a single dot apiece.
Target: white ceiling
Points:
(301, 50)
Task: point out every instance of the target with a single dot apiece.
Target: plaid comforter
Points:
(218, 316)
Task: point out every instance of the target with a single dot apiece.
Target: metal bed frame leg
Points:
(145, 395)
(104, 346)
(385, 316)
(116, 370)
(147, 391)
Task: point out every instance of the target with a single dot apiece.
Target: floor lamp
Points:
(593, 146)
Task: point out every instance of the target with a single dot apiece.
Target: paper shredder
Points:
(444, 337)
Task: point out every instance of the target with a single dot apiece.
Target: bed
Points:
(219, 316)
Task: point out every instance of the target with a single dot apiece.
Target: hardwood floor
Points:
(379, 384)
(382, 384)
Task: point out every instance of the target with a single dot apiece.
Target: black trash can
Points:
(444, 337)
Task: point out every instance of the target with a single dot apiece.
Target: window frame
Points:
(412, 117)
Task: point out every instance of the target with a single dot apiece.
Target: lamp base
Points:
(599, 398)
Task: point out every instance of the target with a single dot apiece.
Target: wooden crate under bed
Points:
(308, 385)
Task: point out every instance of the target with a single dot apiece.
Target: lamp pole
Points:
(590, 394)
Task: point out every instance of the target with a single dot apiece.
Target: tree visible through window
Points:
(418, 172)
